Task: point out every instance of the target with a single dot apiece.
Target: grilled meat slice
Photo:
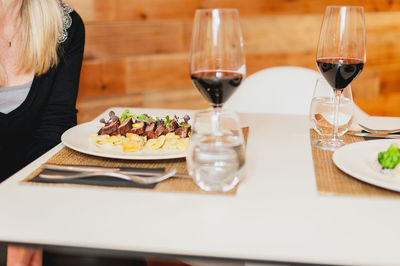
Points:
(160, 130)
(171, 127)
(182, 132)
(149, 131)
(138, 128)
(111, 128)
(125, 126)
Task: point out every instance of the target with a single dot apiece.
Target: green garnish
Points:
(142, 117)
(167, 121)
(148, 119)
(145, 118)
(127, 114)
(183, 124)
(390, 158)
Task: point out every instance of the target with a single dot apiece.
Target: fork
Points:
(115, 174)
(387, 131)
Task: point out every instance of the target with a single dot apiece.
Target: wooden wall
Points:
(137, 50)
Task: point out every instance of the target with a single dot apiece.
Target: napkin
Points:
(101, 181)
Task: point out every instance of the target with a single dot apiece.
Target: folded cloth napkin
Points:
(102, 181)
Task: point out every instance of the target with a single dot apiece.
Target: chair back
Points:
(284, 89)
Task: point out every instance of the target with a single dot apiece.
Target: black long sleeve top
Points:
(49, 109)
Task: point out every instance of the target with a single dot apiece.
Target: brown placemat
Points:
(331, 180)
(185, 185)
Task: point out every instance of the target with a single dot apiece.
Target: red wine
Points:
(217, 86)
(339, 72)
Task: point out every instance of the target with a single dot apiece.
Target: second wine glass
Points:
(341, 55)
(217, 63)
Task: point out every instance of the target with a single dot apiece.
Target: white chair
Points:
(284, 90)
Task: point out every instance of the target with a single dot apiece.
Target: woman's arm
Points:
(21, 256)
(59, 112)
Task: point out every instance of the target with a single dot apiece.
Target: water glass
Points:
(322, 113)
(216, 157)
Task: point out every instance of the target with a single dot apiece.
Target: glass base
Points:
(217, 183)
(328, 144)
(217, 187)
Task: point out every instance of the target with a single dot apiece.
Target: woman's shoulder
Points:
(72, 22)
(73, 27)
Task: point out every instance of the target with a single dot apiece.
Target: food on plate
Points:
(143, 132)
(390, 158)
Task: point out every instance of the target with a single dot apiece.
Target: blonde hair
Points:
(41, 24)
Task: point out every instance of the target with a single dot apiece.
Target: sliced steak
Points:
(110, 128)
(138, 128)
(125, 126)
(149, 131)
(171, 127)
(182, 132)
(152, 135)
(160, 130)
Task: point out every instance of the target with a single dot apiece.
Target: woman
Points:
(41, 52)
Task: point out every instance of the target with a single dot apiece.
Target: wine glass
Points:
(217, 63)
(340, 56)
(322, 111)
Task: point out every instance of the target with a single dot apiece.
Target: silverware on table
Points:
(379, 131)
(142, 177)
(374, 135)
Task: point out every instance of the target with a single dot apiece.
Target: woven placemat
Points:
(185, 185)
(331, 180)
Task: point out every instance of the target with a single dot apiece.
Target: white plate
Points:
(77, 138)
(360, 161)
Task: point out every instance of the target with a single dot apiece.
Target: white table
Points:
(276, 215)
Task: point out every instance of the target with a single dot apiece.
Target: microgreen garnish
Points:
(167, 121)
(146, 118)
(127, 114)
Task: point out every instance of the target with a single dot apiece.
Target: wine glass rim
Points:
(213, 9)
(339, 6)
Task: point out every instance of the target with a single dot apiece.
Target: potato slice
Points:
(103, 139)
(170, 143)
(171, 136)
(183, 144)
(155, 144)
(132, 146)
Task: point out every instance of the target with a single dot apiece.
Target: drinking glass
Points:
(340, 56)
(217, 63)
(322, 112)
(216, 161)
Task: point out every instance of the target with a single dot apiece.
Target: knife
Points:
(374, 135)
(84, 168)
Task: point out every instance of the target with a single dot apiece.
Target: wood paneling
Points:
(102, 77)
(144, 10)
(383, 105)
(138, 46)
(121, 39)
(187, 98)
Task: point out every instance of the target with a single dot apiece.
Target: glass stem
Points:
(215, 120)
(338, 93)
